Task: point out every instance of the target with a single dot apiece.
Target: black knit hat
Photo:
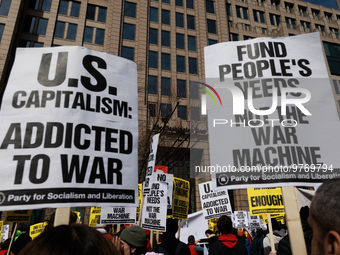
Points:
(134, 236)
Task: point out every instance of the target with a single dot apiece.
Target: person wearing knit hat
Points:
(132, 241)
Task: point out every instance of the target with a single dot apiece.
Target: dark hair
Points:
(171, 226)
(20, 243)
(208, 231)
(70, 240)
(325, 206)
(191, 238)
(224, 224)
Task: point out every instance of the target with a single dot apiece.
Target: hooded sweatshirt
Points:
(227, 244)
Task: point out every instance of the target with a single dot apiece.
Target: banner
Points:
(37, 229)
(94, 216)
(265, 201)
(272, 117)
(151, 164)
(180, 203)
(155, 208)
(118, 215)
(241, 219)
(214, 203)
(18, 216)
(69, 130)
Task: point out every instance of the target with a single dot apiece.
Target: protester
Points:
(241, 236)
(227, 243)
(277, 235)
(132, 241)
(191, 245)
(172, 245)
(20, 243)
(324, 219)
(284, 247)
(211, 238)
(257, 243)
(73, 239)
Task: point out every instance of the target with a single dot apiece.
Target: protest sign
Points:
(278, 217)
(118, 215)
(241, 219)
(265, 201)
(275, 123)
(151, 164)
(212, 223)
(94, 216)
(1, 224)
(69, 130)
(214, 203)
(180, 201)
(37, 229)
(140, 196)
(4, 233)
(254, 221)
(18, 216)
(167, 178)
(155, 207)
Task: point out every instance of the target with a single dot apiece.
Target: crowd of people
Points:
(320, 224)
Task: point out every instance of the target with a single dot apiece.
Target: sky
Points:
(326, 3)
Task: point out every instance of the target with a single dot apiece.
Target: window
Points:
(228, 9)
(180, 63)
(179, 41)
(195, 113)
(274, 19)
(128, 52)
(35, 25)
(42, 5)
(306, 26)
(153, 14)
(101, 14)
(59, 29)
(328, 16)
(211, 26)
(2, 27)
(179, 19)
(153, 59)
(130, 9)
(166, 17)
(166, 1)
(88, 34)
(72, 31)
(233, 37)
(182, 112)
(152, 109)
(316, 14)
(38, 44)
(152, 84)
(193, 65)
(209, 6)
(165, 86)
(92, 15)
(64, 8)
(211, 41)
(290, 23)
(129, 31)
(258, 16)
(303, 11)
(98, 34)
(179, 2)
(241, 12)
(194, 90)
(166, 38)
(246, 27)
(320, 28)
(246, 37)
(190, 4)
(181, 88)
(75, 7)
(191, 22)
(153, 36)
(91, 12)
(335, 31)
(191, 43)
(165, 65)
(264, 30)
(42, 26)
(333, 57)
(289, 7)
(4, 7)
(165, 110)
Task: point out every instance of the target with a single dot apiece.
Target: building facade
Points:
(166, 39)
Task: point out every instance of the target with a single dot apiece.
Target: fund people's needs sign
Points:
(69, 130)
(265, 201)
(275, 121)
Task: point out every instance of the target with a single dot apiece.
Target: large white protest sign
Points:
(241, 219)
(69, 130)
(155, 208)
(167, 178)
(214, 203)
(275, 121)
(118, 215)
(151, 165)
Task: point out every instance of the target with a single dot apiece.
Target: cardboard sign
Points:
(275, 122)
(94, 216)
(265, 201)
(151, 165)
(180, 201)
(155, 208)
(18, 216)
(118, 215)
(241, 219)
(166, 178)
(214, 203)
(37, 229)
(69, 130)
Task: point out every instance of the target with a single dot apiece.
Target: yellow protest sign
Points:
(140, 196)
(1, 224)
(18, 216)
(37, 229)
(180, 202)
(94, 216)
(265, 201)
(278, 217)
(78, 217)
(213, 224)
